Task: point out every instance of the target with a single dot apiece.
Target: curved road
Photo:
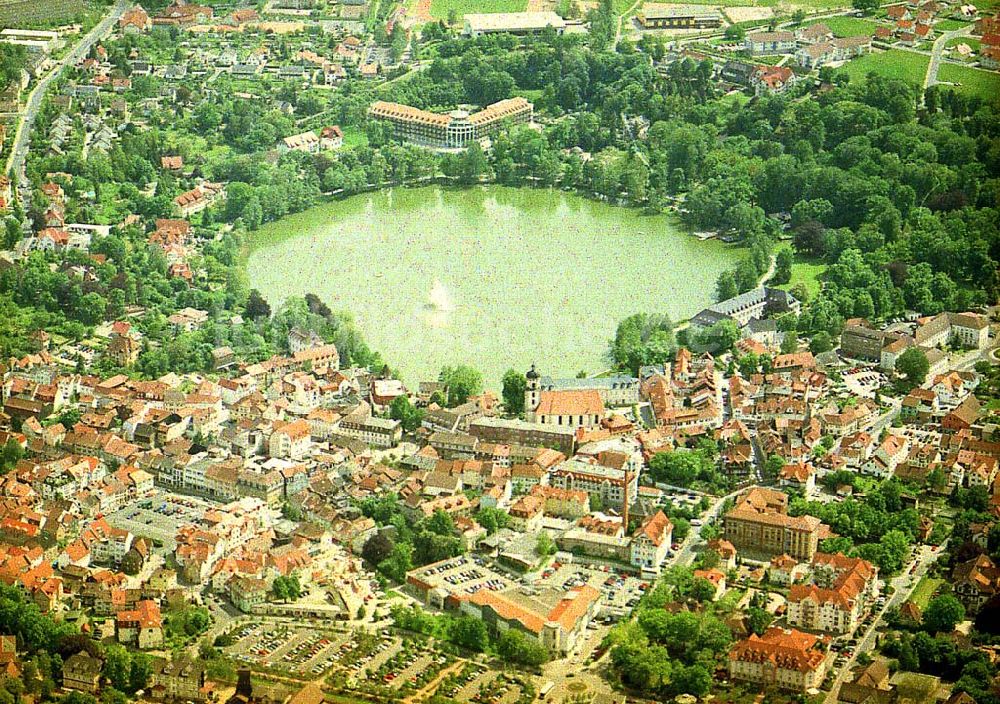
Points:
(19, 150)
(930, 78)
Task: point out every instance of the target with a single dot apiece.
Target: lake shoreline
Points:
(250, 242)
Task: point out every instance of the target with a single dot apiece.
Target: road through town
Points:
(22, 138)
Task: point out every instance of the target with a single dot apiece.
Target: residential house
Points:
(180, 679)
(842, 591)
(199, 198)
(651, 544)
(308, 142)
(975, 582)
(331, 137)
(135, 20)
(141, 627)
(82, 672)
(800, 476)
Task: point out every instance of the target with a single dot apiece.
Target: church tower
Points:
(531, 393)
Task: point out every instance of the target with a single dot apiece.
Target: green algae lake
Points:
(490, 276)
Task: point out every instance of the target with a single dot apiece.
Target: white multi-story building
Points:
(651, 543)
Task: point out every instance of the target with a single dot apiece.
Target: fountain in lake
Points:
(438, 305)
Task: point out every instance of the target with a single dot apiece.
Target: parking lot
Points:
(159, 516)
(478, 685)
(621, 591)
(466, 573)
(863, 381)
(359, 655)
(301, 651)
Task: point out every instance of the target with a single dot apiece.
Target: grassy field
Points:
(925, 590)
(622, 7)
(529, 94)
(949, 25)
(806, 270)
(354, 136)
(441, 8)
(848, 26)
(971, 41)
(973, 81)
(893, 63)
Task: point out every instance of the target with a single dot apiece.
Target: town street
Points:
(686, 555)
(19, 150)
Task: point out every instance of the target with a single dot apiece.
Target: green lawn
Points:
(925, 590)
(894, 63)
(949, 25)
(972, 81)
(354, 136)
(848, 26)
(533, 95)
(971, 41)
(806, 270)
(441, 8)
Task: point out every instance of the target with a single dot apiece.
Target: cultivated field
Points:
(30, 12)
(848, 26)
(894, 63)
(441, 8)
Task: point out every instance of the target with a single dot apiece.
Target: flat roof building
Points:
(477, 25)
(680, 17)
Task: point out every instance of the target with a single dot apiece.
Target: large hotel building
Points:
(455, 129)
